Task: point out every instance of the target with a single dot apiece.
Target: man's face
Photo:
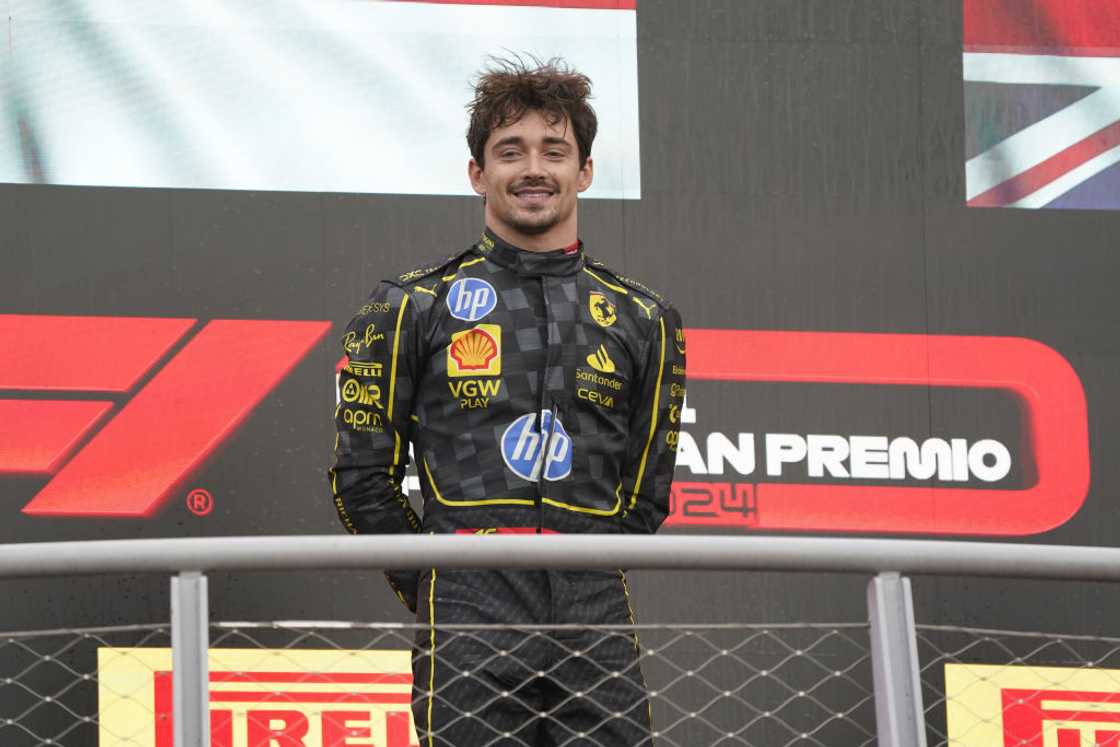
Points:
(531, 178)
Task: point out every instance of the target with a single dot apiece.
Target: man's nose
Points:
(535, 165)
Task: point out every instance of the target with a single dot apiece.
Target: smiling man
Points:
(539, 390)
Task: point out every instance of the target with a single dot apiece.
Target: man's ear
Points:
(586, 174)
(474, 173)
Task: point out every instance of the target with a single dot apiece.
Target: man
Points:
(541, 392)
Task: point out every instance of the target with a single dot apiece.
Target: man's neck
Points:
(558, 237)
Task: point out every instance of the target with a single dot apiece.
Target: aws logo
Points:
(120, 410)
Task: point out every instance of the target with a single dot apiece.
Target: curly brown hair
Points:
(507, 88)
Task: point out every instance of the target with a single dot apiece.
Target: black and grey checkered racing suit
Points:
(483, 362)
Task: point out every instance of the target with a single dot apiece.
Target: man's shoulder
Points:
(436, 269)
(646, 297)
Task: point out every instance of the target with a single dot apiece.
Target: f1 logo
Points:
(190, 392)
(1049, 393)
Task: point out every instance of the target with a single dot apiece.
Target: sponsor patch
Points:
(473, 394)
(372, 370)
(354, 344)
(523, 446)
(364, 420)
(596, 397)
(602, 310)
(471, 299)
(590, 377)
(476, 352)
(648, 308)
(601, 361)
(380, 307)
(352, 391)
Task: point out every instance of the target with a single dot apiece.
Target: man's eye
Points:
(509, 154)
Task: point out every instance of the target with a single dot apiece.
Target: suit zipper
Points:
(546, 441)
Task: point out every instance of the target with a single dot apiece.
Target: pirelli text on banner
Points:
(313, 698)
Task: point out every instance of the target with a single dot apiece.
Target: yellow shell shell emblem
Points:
(602, 310)
(476, 351)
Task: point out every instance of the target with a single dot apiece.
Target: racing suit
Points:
(483, 362)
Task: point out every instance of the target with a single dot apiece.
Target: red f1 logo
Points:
(176, 419)
(1047, 388)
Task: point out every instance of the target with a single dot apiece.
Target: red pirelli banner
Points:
(1001, 706)
(311, 698)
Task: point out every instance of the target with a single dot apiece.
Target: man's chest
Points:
(499, 345)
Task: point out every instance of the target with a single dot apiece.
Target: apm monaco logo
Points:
(1047, 389)
(471, 299)
(523, 444)
(147, 400)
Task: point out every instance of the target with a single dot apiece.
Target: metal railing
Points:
(895, 645)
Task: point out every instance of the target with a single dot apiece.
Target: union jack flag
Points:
(1042, 103)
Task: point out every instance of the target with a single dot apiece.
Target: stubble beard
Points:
(531, 222)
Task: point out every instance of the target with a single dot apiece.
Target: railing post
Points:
(899, 716)
(190, 642)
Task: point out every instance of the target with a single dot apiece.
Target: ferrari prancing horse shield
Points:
(602, 310)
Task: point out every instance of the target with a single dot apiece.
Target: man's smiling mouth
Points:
(533, 194)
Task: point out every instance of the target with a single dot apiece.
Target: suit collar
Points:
(557, 262)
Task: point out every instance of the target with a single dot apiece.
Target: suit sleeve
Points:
(375, 393)
(652, 447)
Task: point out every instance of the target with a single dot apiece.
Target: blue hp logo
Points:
(470, 299)
(522, 445)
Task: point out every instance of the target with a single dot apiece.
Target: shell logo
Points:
(476, 352)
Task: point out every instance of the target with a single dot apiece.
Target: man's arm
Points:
(375, 393)
(654, 424)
